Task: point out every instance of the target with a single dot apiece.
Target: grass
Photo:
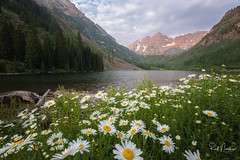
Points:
(188, 110)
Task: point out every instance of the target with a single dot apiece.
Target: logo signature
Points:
(220, 148)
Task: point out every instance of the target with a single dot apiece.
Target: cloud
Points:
(129, 20)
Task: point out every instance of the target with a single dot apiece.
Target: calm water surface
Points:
(91, 82)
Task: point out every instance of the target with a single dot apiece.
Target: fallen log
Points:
(23, 96)
(42, 98)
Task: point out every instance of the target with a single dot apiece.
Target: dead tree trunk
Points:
(23, 96)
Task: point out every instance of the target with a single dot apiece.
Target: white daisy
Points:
(124, 103)
(45, 132)
(84, 106)
(22, 142)
(121, 135)
(106, 127)
(147, 134)
(123, 122)
(94, 115)
(49, 104)
(127, 151)
(102, 116)
(67, 152)
(168, 144)
(192, 156)
(112, 119)
(138, 123)
(85, 98)
(133, 109)
(133, 103)
(163, 128)
(210, 113)
(62, 141)
(99, 95)
(54, 138)
(115, 110)
(89, 131)
(133, 131)
(144, 105)
(155, 122)
(86, 122)
(177, 106)
(191, 75)
(75, 97)
(81, 145)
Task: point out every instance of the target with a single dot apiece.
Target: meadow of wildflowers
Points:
(192, 120)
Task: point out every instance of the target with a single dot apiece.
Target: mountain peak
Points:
(160, 43)
(64, 5)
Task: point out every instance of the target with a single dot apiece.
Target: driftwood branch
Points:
(23, 96)
(42, 98)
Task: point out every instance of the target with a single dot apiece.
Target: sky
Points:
(131, 20)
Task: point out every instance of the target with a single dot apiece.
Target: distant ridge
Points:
(161, 44)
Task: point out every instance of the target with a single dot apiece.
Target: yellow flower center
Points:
(133, 109)
(128, 154)
(156, 123)
(85, 97)
(9, 152)
(138, 124)
(99, 95)
(209, 114)
(45, 132)
(102, 116)
(124, 103)
(197, 159)
(148, 133)
(120, 135)
(167, 143)
(66, 153)
(49, 103)
(177, 106)
(164, 88)
(134, 103)
(88, 132)
(34, 147)
(111, 120)
(107, 128)
(164, 129)
(133, 131)
(18, 142)
(123, 123)
(61, 141)
(81, 147)
(143, 105)
(115, 110)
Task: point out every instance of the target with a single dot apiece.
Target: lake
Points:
(92, 81)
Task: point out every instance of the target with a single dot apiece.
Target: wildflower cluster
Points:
(149, 122)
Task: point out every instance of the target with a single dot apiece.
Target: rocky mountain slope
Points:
(68, 11)
(161, 44)
(220, 46)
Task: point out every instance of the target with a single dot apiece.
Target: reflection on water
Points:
(92, 81)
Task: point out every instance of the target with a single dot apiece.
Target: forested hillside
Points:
(31, 39)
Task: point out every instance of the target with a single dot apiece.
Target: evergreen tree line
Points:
(46, 54)
(32, 14)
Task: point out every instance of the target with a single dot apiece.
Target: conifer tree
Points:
(6, 40)
(47, 55)
(19, 44)
(80, 55)
(33, 51)
(60, 50)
